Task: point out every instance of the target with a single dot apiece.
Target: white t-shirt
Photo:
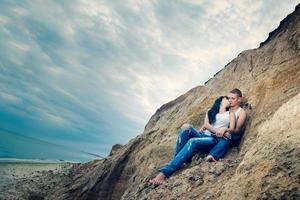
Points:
(222, 121)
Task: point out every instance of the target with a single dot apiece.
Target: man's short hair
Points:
(237, 92)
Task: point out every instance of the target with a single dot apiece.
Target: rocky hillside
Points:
(266, 165)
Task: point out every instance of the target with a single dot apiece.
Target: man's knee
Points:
(185, 127)
(224, 142)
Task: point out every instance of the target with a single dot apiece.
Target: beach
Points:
(30, 180)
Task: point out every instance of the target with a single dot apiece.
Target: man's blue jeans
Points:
(188, 142)
(221, 148)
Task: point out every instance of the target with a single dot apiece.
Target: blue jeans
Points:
(220, 149)
(189, 141)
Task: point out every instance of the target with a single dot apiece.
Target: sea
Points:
(19, 148)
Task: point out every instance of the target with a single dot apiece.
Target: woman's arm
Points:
(227, 132)
(232, 122)
(207, 124)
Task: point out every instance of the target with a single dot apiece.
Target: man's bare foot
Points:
(159, 179)
(210, 158)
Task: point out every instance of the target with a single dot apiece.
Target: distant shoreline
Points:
(33, 161)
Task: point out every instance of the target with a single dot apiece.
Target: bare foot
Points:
(159, 179)
(210, 158)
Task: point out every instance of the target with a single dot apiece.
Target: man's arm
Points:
(240, 122)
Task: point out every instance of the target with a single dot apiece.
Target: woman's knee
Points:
(192, 143)
(186, 126)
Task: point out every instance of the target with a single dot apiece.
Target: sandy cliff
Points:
(266, 165)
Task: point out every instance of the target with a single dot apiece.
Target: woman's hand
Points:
(202, 129)
(220, 132)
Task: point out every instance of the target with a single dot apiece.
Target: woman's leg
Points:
(202, 143)
(220, 149)
(185, 133)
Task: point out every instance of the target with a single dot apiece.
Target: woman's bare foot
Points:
(210, 158)
(159, 179)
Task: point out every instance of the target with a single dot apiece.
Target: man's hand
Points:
(227, 135)
(202, 129)
(220, 132)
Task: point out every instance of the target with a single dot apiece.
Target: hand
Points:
(202, 129)
(227, 135)
(220, 132)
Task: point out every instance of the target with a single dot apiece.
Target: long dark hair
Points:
(214, 110)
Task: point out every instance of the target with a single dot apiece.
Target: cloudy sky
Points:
(89, 74)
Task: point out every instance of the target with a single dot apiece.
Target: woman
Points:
(216, 123)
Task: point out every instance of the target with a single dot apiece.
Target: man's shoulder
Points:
(242, 112)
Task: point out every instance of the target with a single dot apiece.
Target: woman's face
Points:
(225, 102)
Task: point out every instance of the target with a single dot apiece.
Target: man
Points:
(223, 138)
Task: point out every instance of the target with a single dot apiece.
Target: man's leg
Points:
(185, 133)
(187, 152)
(220, 149)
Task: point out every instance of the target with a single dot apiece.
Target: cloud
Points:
(97, 71)
(10, 99)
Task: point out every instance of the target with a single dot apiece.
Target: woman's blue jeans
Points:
(190, 141)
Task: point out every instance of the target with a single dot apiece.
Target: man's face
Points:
(234, 99)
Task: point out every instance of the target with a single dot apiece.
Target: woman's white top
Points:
(222, 121)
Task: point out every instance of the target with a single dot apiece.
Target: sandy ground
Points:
(30, 180)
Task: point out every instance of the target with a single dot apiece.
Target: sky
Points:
(90, 74)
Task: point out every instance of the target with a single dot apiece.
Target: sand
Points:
(30, 180)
